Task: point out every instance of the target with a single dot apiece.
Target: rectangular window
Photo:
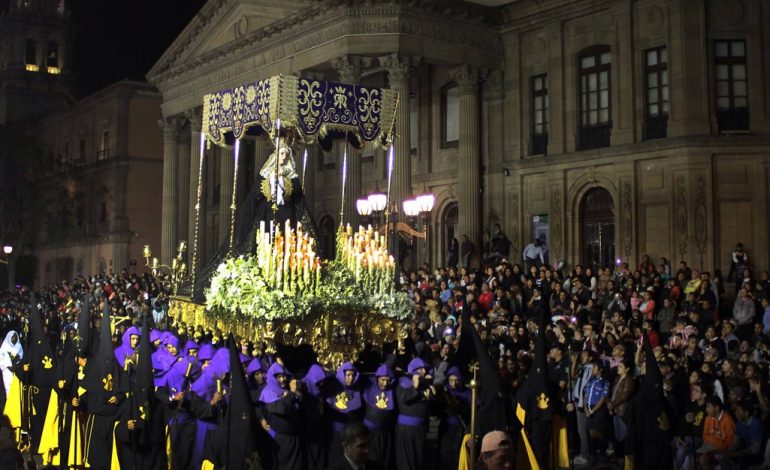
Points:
(731, 85)
(595, 115)
(82, 150)
(104, 147)
(450, 116)
(65, 152)
(656, 93)
(539, 93)
(413, 120)
(30, 56)
(52, 57)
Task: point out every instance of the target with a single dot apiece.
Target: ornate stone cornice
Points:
(348, 68)
(315, 25)
(467, 79)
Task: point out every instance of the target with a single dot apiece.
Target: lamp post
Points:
(363, 207)
(6, 260)
(177, 271)
(426, 201)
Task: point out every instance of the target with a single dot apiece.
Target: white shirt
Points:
(532, 251)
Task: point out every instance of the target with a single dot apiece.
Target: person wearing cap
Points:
(496, 451)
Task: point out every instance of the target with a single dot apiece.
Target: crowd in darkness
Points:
(710, 336)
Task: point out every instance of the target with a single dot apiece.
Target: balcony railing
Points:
(103, 154)
(733, 119)
(655, 127)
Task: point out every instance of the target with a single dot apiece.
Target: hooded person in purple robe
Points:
(414, 397)
(127, 348)
(208, 403)
(380, 416)
(282, 417)
(455, 401)
(312, 405)
(165, 357)
(343, 406)
(174, 393)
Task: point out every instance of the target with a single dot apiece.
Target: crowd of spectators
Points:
(711, 341)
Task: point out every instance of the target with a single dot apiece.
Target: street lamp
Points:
(7, 249)
(411, 208)
(363, 207)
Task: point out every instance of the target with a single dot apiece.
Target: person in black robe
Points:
(312, 406)
(174, 393)
(456, 407)
(272, 200)
(380, 416)
(105, 390)
(414, 397)
(281, 407)
(208, 405)
(343, 406)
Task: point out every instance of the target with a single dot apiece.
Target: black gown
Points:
(412, 427)
(285, 419)
(257, 208)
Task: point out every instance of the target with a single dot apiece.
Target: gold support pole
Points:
(474, 393)
(193, 268)
(235, 197)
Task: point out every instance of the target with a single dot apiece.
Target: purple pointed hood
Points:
(315, 375)
(273, 390)
(461, 391)
(206, 352)
(341, 374)
(414, 365)
(180, 374)
(190, 344)
(206, 385)
(373, 395)
(254, 366)
(125, 349)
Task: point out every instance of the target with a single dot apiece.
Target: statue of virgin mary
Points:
(275, 198)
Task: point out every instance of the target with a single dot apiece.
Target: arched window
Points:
(450, 115)
(594, 66)
(328, 237)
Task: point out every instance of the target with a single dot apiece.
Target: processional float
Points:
(283, 293)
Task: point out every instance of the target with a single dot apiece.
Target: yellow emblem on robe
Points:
(107, 381)
(381, 401)
(142, 413)
(542, 401)
(47, 362)
(341, 401)
(81, 374)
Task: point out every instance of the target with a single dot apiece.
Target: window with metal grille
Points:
(656, 93)
(731, 85)
(595, 123)
(539, 93)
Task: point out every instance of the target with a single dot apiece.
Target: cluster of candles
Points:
(286, 259)
(365, 254)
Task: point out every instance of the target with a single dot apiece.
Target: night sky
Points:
(117, 39)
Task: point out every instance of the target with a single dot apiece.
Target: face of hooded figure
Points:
(382, 382)
(134, 341)
(283, 380)
(349, 377)
(14, 339)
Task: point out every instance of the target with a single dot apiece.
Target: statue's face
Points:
(283, 154)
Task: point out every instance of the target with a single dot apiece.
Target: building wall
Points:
(690, 195)
(110, 194)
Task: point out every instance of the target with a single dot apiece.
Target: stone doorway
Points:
(597, 222)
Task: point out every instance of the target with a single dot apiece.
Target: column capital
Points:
(171, 126)
(348, 68)
(467, 78)
(494, 85)
(398, 66)
(195, 117)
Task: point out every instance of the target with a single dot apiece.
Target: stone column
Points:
(398, 68)
(226, 168)
(168, 236)
(469, 154)
(194, 117)
(184, 170)
(262, 149)
(494, 199)
(349, 71)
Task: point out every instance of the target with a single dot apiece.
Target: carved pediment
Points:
(221, 22)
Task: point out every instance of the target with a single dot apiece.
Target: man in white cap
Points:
(496, 451)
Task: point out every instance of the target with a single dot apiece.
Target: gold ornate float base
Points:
(335, 336)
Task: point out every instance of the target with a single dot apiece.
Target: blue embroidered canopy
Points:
(315, 110)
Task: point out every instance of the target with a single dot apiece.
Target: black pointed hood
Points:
(39, 355)
(239, 419)
(83, 337)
